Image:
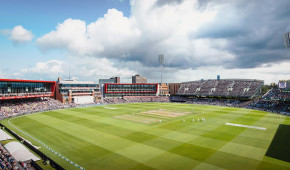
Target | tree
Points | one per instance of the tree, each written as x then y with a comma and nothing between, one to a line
273,85
265,89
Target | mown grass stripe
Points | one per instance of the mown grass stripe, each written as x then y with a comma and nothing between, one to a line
99,138
132,145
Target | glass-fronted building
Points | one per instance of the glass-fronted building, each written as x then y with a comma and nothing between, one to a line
122,89
17,89
78,92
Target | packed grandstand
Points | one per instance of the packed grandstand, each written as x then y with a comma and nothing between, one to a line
18,100
230,92
221,88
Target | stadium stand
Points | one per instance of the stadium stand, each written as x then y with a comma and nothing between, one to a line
134,99
7,161
211,101
274,106
146,98
271,106
18,107
221,88
277,94
113,100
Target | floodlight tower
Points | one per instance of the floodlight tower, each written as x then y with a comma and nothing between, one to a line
161,61
287,39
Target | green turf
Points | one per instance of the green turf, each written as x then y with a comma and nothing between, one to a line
97,138
280,146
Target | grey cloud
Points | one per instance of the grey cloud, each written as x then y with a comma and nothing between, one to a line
254,31
164,2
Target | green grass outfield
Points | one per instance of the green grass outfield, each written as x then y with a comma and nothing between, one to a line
94,138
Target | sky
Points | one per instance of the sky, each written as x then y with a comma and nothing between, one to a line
92,39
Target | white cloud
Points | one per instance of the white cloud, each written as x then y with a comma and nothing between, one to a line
150,30
20,35
96,68
114,31
267,72
49,70
198,42
90,69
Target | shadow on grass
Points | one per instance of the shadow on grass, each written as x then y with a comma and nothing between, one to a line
280,146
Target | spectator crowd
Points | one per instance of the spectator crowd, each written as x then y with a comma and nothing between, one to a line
224,88
19,107
7,161
276,94
133,99
274,106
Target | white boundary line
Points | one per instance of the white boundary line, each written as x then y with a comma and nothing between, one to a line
252,127
109,108
38,141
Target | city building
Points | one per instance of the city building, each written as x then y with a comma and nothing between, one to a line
138,79
78,92
173,88
104,81
163,89
22,89
122,89
110,80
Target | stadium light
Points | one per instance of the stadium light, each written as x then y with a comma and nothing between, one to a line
161,61
287,39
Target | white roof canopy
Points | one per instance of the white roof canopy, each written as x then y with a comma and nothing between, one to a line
4,135
20,152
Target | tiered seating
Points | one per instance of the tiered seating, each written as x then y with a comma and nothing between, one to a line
6,160
181,89
239,87
13,108
277,94
206,87
112,100
272,106
223,88
192,87
252,88
132,99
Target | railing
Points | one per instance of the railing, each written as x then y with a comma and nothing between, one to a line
24,94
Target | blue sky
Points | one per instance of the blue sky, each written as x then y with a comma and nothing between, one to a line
97,39
40,17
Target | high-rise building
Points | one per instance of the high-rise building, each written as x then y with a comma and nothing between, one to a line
138,79
104,81
173,88
110,80
117,79
164,89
